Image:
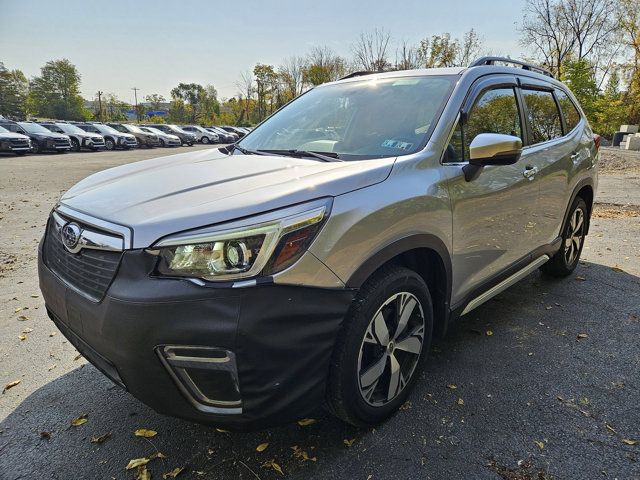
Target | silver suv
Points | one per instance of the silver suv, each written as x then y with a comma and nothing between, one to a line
312,262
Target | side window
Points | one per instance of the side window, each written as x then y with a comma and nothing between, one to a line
494,111
571,115
543,114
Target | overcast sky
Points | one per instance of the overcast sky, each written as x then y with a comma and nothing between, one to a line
154,45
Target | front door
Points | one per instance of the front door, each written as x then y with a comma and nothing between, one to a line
492,226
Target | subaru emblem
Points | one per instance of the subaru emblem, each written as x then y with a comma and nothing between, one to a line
70,236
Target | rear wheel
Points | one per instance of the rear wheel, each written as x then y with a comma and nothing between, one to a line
109,143
566,259
161,143
205,140
35,146
385,337
75,145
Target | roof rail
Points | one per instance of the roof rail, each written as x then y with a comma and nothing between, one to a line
525,66
358,74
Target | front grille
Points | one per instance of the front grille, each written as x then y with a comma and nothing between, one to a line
62,142
19,141
98,140
89,271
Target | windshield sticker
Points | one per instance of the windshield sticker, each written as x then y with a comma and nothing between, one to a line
397,144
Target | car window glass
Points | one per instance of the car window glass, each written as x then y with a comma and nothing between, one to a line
495,111
569,110
543,115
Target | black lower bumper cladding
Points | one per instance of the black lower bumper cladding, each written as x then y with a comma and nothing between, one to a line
282,338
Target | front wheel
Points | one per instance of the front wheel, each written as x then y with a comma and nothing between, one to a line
205,140
35,146
385,337
75,145
109,144
161,143
565,261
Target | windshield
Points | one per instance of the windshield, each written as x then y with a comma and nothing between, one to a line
133,128
364,119
68,128
33,127
107,129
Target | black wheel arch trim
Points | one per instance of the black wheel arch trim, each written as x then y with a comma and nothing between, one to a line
585,182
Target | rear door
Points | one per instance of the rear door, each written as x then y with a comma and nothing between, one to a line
549,155
491,213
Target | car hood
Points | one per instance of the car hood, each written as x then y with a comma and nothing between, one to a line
10,135
50,135
170,194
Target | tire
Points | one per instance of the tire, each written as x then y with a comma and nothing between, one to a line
75,145
35,146
109,144
565,261
205,140
162,145
358,391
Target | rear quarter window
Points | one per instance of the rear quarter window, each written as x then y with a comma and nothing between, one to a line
571,115
543,115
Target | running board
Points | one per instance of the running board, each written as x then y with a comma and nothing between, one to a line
502,286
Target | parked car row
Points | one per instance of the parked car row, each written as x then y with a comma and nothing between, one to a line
62,136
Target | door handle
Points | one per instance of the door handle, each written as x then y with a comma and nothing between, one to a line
529,172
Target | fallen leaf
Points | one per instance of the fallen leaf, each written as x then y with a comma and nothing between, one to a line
273,465
27,330
77,357
582,335
460,401
489,333
22,337
17,309
10,385
52,367
580,279
143,432
262,447
452,386
348,443
617,269
302,454
81,420
611,429
628,441
137,462
173,473
33,295
23,318
221,430
52,334
143,473
306,421
101,438
540,445
45,435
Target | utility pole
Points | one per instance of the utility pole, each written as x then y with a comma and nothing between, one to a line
100,105
135,93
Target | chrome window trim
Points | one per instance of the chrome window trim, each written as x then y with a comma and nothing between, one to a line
124,232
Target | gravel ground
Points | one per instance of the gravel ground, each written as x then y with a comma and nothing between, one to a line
541,382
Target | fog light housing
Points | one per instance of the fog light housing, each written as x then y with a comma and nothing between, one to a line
206,376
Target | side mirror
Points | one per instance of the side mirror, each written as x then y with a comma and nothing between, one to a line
491,149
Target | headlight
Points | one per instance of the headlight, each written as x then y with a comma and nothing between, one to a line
263,248
122,140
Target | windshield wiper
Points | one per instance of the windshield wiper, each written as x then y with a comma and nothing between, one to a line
324,156
245,150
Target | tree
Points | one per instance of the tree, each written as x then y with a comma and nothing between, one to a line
265,75
323,65
579,77
371,50
155,101
628,19
56,92
191,94
407,57
14,89
114,108
245,86
444,51
559,30
291,73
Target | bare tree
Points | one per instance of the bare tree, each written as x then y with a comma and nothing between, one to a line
246,90
407,57
559,30
292,74
470,48
324,65
371,50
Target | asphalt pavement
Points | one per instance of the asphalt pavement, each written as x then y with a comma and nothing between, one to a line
541,382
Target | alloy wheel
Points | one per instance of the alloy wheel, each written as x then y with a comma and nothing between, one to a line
575,236
391,349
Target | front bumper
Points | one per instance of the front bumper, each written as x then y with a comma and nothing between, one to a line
282,338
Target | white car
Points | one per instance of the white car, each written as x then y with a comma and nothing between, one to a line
202,135
14,142
79,138
166,139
